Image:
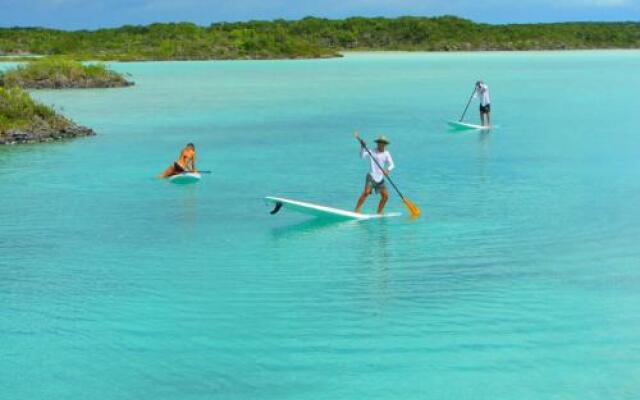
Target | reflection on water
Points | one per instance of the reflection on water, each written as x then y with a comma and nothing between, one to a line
484,147
376,254
188,210
310,226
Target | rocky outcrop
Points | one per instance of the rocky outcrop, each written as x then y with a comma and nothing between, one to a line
64,82
62,73
61,81
24,120
42,131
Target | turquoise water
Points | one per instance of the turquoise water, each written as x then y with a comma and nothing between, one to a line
521,281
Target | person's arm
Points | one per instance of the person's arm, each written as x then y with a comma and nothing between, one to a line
363,152
390,164
193,163
477,92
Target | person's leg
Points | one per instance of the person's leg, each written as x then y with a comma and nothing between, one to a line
168,172
365,193
384,196
488,118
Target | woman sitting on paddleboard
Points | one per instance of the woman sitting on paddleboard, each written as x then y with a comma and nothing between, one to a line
186,162
375,177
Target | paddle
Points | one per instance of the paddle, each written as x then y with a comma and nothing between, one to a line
468,102
413,209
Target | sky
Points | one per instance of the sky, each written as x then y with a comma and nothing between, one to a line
91,14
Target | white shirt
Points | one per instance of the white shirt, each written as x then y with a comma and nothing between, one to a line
483,91
383,158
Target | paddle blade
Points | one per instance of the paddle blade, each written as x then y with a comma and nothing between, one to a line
414,211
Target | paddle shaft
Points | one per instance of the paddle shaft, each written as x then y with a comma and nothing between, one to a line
468,102
364,146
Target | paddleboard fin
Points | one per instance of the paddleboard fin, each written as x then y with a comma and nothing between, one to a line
276,208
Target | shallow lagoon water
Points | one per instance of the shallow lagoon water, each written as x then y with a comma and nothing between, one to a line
521,280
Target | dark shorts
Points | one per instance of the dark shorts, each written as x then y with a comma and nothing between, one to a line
177,168
485,109
373,185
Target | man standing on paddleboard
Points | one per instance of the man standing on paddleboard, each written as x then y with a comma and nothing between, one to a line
186,162
482,91
376,175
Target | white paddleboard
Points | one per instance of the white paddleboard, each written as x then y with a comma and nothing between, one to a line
317,210
465,125
185,178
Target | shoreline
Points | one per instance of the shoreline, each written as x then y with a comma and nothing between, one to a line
342,54
312,38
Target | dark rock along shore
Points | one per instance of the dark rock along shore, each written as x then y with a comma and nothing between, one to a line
41,132
62,82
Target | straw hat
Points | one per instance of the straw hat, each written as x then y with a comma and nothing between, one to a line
382,139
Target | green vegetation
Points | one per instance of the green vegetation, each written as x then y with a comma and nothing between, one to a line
163,42
18,110
23,120
61,72
311,37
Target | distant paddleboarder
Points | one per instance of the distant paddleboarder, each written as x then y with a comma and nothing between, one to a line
482,91
376,175
186,162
